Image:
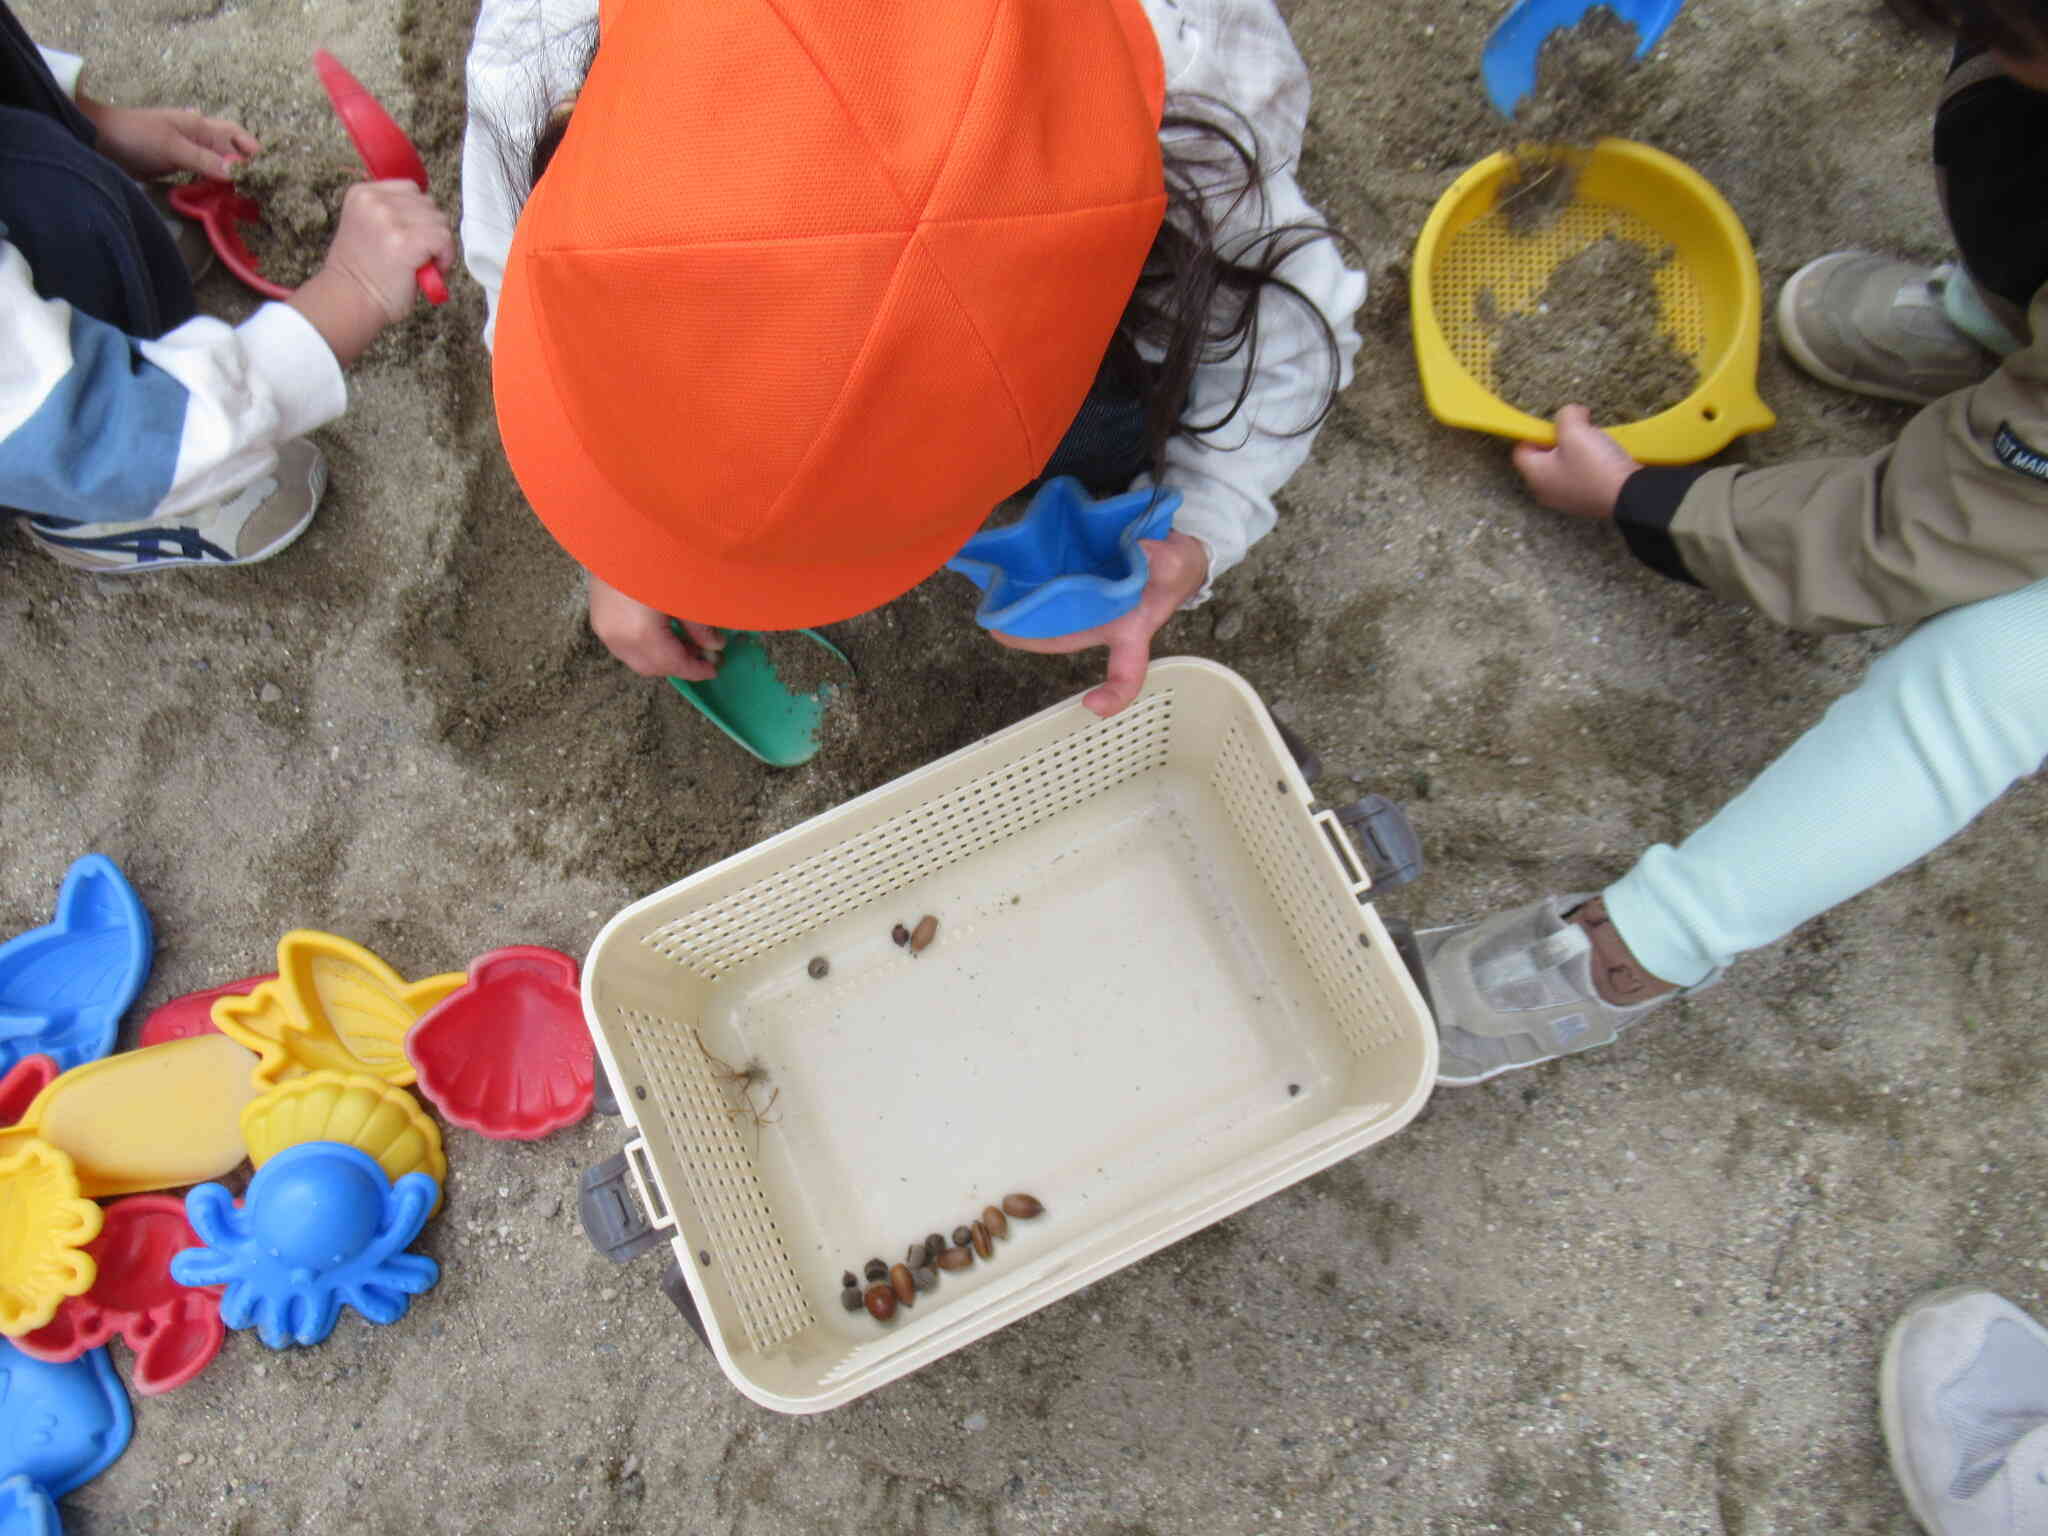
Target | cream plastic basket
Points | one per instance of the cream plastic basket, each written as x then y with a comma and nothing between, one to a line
1155,997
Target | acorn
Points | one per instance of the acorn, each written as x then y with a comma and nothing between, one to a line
956,1258
934,1245
1022,1206
997,1224
818,967
924,1279
847,1281
926,930
900,934
962,1235
983,1244
876,1270
917,1255
849,1298
902,1284
881,1302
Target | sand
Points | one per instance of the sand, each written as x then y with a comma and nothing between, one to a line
1643,1289
1594,337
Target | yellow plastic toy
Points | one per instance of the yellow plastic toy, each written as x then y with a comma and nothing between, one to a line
358,1111
156,1118
43,1225
1711,293
334,1007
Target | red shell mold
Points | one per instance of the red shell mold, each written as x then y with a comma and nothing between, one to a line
507,1054
183,1017
175,1330
22,1082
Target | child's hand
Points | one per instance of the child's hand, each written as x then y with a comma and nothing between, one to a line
640,637
1179,565
388,230
147,142
1583,474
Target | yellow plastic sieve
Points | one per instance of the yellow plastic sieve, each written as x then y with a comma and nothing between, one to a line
1711,294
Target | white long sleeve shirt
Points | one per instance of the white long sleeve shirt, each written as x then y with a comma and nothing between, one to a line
100,426
527,55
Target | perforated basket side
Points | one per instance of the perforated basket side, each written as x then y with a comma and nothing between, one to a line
1323,923
709,1119
866,868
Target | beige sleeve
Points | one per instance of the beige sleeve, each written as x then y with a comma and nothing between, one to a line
1956,510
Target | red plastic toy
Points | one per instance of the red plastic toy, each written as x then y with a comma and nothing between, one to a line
387,153
175,1330
219,208
507,1054
18,1089
183,1017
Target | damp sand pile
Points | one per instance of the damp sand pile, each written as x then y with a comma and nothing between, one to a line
1594,338
1588,86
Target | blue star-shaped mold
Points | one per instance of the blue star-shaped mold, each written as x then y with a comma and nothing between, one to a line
64,986
1070,563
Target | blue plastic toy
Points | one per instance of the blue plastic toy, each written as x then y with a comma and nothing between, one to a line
1070,563
61,1426
319,1226
1508,61
64,987
25,1510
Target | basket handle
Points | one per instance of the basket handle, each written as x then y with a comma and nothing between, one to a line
1354,869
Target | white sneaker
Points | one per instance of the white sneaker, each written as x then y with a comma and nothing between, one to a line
252,525
1964,1394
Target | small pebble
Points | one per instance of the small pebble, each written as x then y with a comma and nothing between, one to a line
269,693
818,968
876,1270
994,1220
1023,1207
926,930
956,1258
881,1302
900,934
934,1244
974,1423
850,1298
186,1458
1293,1090
924,1279
983,1245
609,1293
901,1283
962,1235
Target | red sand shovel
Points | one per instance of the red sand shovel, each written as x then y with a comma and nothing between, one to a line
387,153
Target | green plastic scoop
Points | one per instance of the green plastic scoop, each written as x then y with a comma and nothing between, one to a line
752,705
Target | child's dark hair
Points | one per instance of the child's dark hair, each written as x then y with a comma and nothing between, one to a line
2015,27
1197,298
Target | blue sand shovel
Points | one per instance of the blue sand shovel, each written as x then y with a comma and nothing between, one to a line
1508,62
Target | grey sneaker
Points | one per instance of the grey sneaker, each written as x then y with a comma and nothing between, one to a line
1964,1394
1517,988
252,525
194,249
1877,327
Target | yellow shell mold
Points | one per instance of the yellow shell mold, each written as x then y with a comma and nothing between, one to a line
350,1108
43,1225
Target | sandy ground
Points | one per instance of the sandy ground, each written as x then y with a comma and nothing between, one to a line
1639,1291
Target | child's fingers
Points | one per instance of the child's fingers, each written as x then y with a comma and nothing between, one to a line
1130,652
705,637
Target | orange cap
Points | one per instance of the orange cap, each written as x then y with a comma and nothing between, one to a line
811,285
